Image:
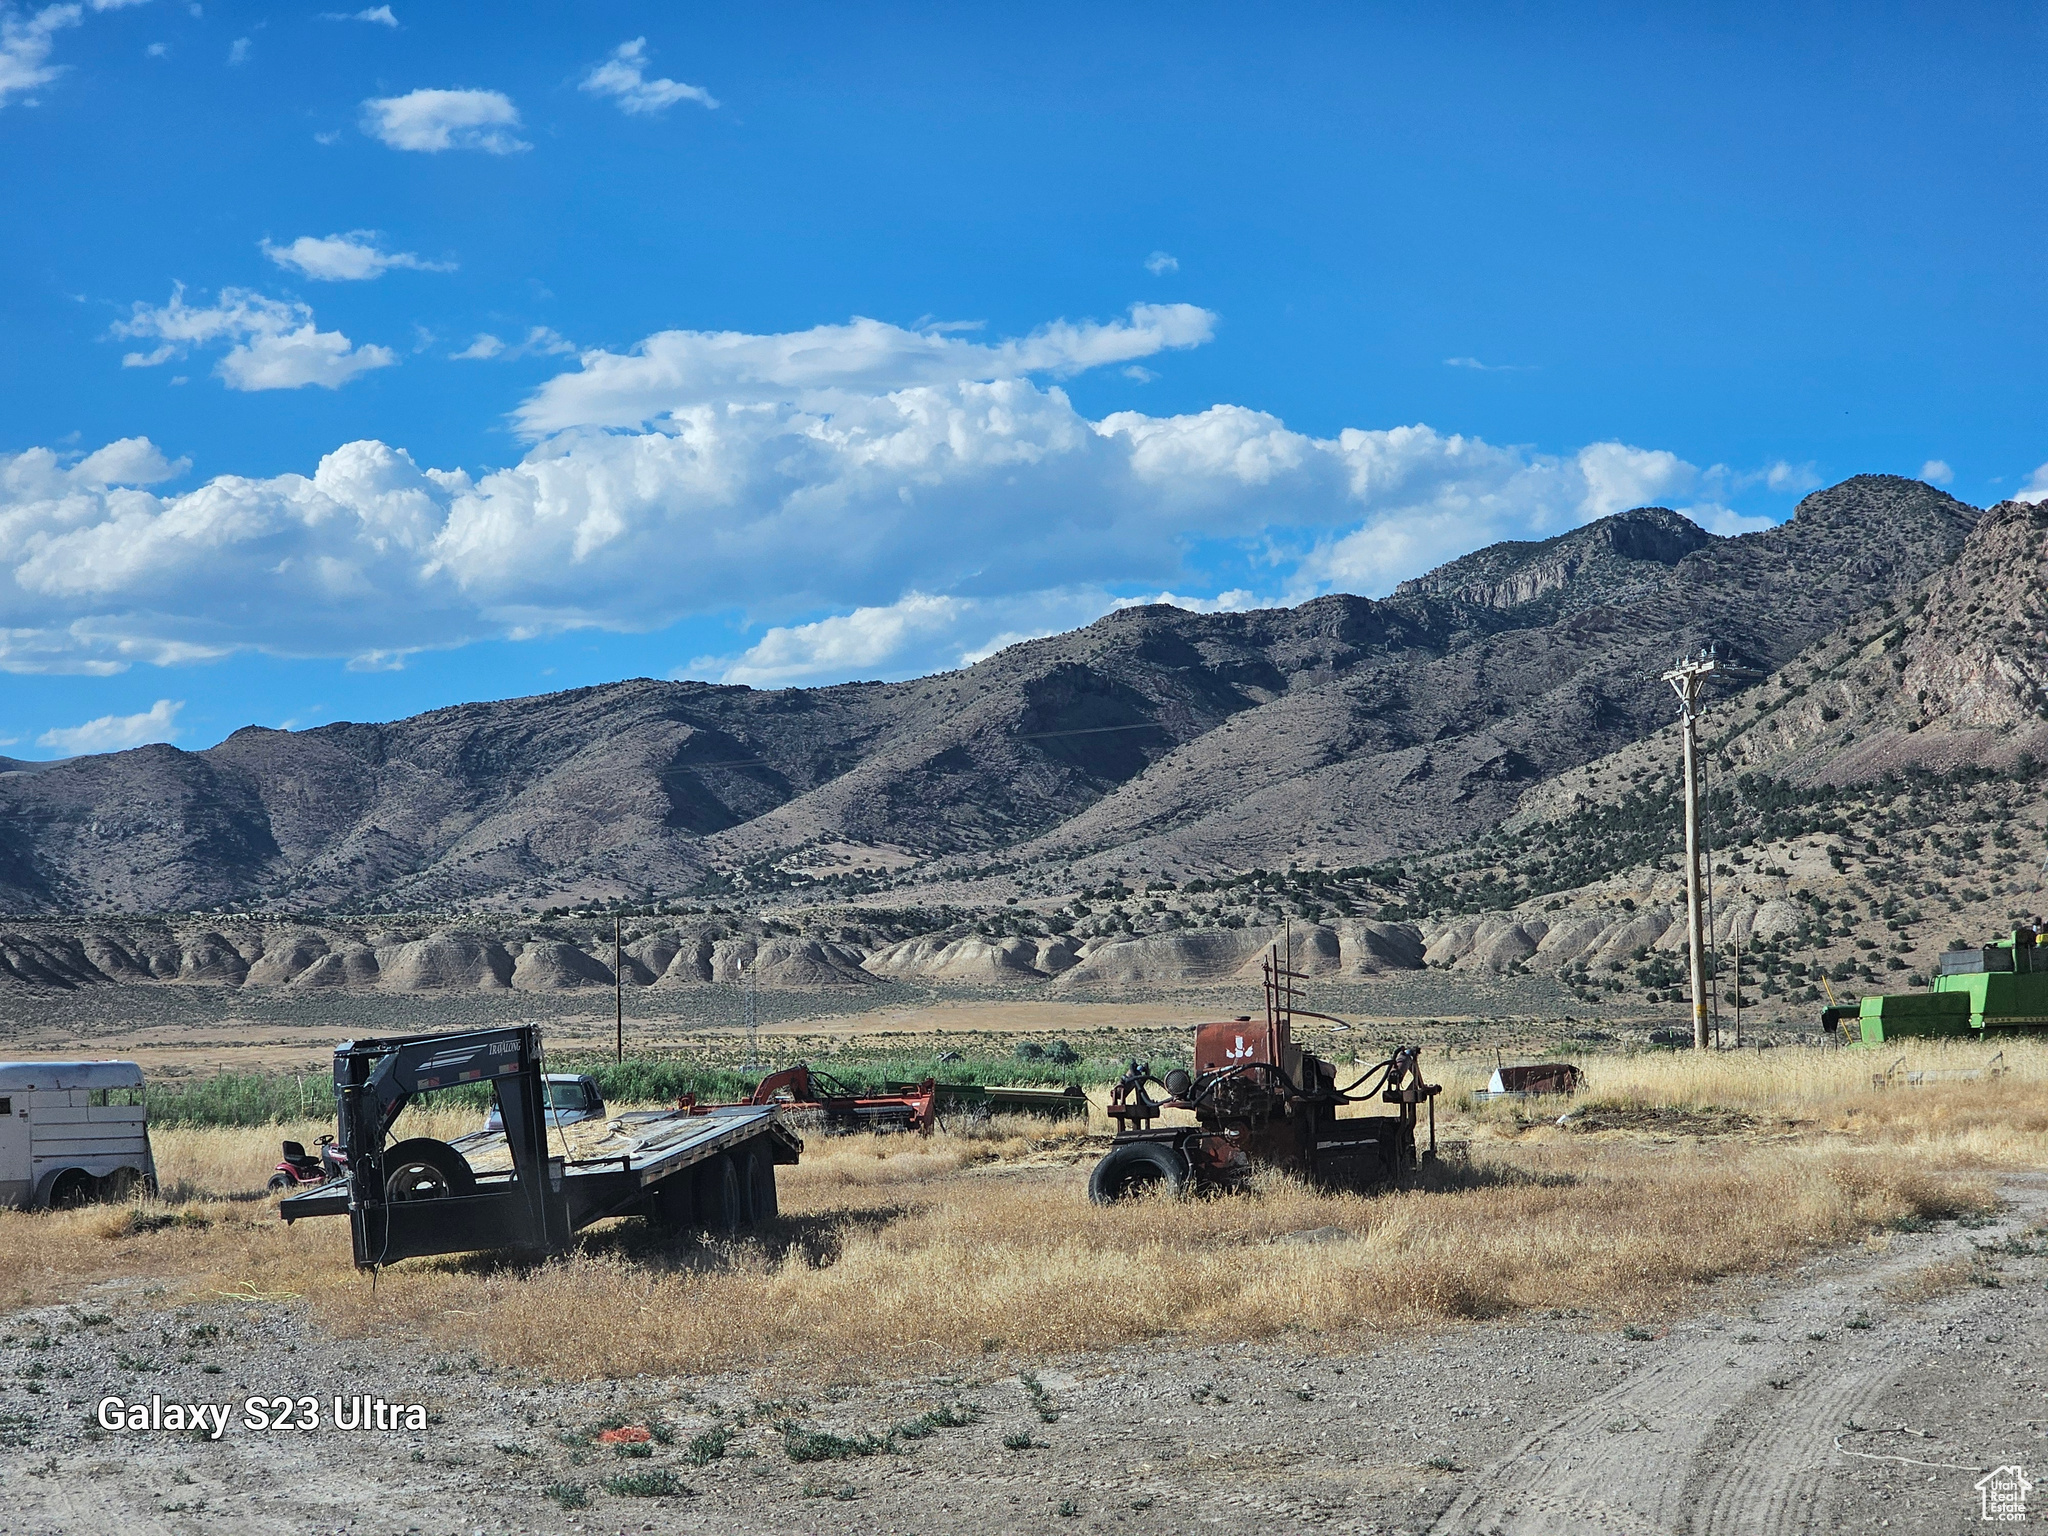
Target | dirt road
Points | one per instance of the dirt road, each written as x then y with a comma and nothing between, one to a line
1736,1421
1815,1417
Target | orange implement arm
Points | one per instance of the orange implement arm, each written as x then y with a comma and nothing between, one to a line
796,1079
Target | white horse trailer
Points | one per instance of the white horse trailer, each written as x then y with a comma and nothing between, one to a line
72,1131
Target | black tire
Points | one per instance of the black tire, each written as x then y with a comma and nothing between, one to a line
425,1169
120,1185
1137,1168
71,1189
672,1204
721,1198
281,1184
743,1170
761,1181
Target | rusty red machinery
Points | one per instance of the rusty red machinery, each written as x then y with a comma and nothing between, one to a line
1261,1101
804,1089
1537,1077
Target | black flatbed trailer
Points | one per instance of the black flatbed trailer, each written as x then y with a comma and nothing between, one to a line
529,1187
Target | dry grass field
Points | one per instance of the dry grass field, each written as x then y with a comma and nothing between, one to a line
977,1246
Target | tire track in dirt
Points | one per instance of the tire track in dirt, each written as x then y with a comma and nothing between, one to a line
1760,1468
1701,1443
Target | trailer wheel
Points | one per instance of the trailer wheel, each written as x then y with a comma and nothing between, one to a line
70,1189
721,1198
426,1169
761,1184
672,1202
1136,1168
120,1185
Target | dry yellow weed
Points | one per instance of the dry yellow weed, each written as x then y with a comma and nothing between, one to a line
978,1242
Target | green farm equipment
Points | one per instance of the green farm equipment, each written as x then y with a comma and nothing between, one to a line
1979,992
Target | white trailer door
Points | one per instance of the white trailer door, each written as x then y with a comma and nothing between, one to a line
16,1176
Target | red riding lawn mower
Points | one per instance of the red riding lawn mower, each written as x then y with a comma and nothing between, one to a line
1259,1100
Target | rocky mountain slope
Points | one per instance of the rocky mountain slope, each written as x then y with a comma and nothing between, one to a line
1345,731
1561,647
1877,798
1881,797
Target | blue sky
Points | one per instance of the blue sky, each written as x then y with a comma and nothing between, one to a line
465,351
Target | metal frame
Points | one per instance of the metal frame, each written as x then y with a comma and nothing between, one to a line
1256,1111
545,1199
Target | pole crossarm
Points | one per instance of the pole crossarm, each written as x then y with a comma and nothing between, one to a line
1687,679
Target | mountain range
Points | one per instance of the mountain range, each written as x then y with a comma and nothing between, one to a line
1343,731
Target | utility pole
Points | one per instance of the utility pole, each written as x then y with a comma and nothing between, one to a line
751,1015
1687,679
618,991
1736,935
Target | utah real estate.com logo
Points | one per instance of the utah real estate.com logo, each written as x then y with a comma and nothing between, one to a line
2003,1495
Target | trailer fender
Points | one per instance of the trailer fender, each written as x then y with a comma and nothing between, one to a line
63,1189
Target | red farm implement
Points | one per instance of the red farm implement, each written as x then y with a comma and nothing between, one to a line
1260,1100
806,1092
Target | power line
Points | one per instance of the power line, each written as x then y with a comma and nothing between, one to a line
1093,730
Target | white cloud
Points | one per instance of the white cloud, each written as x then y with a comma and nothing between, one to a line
1159,264
844,645
353,257
238,51
923,632
117,733
1443,496
25,44
297,358
431,121
1479,367
379,14
1619,477
1726,522
929,517
920,632
674,371
1787,479
541,341
128,461
27,40
622,78
2035,491
95,578
275,345
1236,600
1936,472
157,50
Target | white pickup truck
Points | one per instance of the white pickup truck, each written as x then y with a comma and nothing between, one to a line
72,1131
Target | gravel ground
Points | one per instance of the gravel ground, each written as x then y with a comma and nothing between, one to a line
1738,1419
